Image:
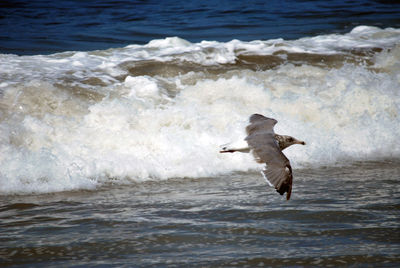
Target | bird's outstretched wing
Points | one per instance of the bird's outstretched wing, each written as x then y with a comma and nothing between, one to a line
260,123
265,149
281,178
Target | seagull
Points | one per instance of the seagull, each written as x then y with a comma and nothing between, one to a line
266,147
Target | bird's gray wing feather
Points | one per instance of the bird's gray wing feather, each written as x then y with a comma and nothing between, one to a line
281,178
265,149
259,123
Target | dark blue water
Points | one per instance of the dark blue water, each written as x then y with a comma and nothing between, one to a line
43,27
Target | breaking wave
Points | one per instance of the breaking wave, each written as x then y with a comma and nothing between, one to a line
79,120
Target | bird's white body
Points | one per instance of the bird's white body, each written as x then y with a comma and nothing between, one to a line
242,145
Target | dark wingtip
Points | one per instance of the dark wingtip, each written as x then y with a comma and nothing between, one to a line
285,189
288,195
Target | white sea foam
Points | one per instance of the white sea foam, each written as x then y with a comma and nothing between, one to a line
56,138
105,64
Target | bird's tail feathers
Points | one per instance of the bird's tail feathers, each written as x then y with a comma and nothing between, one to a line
238,146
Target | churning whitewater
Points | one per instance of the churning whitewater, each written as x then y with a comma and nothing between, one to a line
80,120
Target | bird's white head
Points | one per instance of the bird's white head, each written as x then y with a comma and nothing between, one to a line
286,141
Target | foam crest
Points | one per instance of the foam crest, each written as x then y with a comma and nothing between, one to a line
105,66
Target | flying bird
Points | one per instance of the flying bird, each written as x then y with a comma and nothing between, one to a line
266,147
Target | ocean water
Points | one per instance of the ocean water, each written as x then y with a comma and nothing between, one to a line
112,114
43,27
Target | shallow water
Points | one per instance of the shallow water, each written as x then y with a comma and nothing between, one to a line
337,217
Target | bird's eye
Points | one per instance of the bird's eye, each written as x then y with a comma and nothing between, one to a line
290,139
